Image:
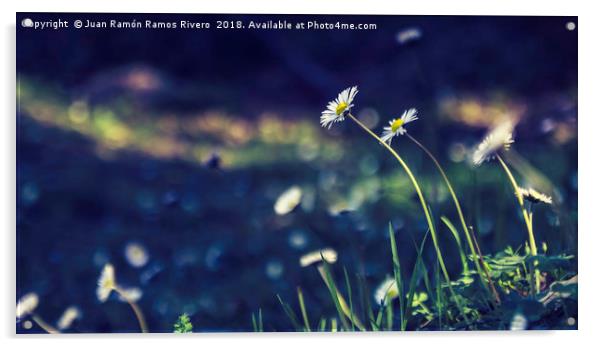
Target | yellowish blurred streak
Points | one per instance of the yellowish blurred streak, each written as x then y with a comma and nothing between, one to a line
239,141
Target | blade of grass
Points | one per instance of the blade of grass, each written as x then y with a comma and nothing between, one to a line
322,325
440,298
379,318
456,236
389,311
350,295
496,295
302,307
365,299
290,314
257,322
260,321
443,270
413,283
341,300
397,274
324,270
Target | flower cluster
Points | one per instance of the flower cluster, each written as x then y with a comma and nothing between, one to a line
337,109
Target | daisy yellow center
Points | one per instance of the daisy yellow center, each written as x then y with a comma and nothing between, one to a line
398,123
341,108
108,284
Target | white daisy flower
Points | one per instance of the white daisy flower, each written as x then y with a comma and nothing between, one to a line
396,125
409,35
329,254
336,109
27,304
136,254
106,283
69,316
386,291
499,138
519,322
130,294
288,200
534,196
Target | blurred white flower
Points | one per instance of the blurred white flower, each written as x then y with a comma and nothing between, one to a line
329,254
288,200
500,137
408,35
534,196
130,294
396,125
69,316
27,325
336,109
386,291
27,304
106,283
274,269
519,322
136,254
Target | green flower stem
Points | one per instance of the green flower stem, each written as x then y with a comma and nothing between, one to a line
135,308
482,270
528,218
425,209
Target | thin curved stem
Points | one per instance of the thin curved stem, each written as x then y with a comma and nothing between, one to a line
45,326
425,209
482,270
135,308
526,216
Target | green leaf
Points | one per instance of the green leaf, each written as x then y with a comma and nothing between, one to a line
183,325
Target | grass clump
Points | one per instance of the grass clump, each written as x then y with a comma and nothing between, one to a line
512,289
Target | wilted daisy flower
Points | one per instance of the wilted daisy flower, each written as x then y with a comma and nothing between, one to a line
329,254
534,196
27,304
396,125
288,200
499,138
336,109
69,316
386,291
130,294
106,283
136,254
